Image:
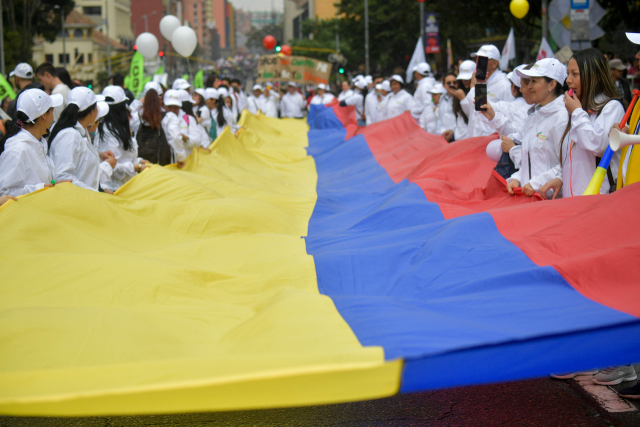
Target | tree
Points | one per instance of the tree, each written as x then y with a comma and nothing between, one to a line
256,35
24,19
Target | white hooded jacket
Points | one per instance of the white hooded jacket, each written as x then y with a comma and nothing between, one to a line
292,105
422,96
541,135
24,165
398,103
171,127
124,170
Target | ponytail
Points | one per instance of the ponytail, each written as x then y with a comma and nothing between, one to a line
13,127
68,119
220,104
187,107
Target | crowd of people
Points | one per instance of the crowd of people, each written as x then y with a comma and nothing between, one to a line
553,120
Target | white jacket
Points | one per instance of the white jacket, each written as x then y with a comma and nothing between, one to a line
541,135
381,108
124,169
422,97
446,116
172,129
253,105
229,117
322,100
509,120
24,165
192,130
398,103
242,100
77,159
370,107
462,128
357,100
429,118
498,89
588,139
292,105
269,105
344,95
205,115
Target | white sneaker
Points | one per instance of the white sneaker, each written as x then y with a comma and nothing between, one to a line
574,374
614,376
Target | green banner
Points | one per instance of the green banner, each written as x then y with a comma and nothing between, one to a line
198,80
160,70
6,89
136,74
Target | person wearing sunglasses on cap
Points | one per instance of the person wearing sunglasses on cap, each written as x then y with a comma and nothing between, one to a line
114,135
543,129
24,164
73,153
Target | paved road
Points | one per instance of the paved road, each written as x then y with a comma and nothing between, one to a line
543,402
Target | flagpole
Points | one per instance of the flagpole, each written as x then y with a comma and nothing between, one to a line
366,36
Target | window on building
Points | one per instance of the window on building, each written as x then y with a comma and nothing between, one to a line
92,10
90,57
77,33
63,59
48,58
80,59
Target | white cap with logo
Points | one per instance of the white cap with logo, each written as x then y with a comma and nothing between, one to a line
83,97
488,50
114,95
467,68
172,97
35,102
547,67
23,70
423,68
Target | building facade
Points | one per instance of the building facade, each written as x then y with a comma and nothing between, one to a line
115,13
298,11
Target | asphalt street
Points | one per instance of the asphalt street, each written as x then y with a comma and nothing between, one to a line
542,402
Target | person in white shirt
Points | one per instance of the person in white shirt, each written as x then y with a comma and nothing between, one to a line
73,154
223,114
253,102
459,94
46,73
172,127
322,97
424,82
241,97
593,108
543,130
384,93
114,135
292,103
446,116
400,100
371,101
24,164
498,89
210,99
346,91
200,110
189,125
507,118
268,101
430,116
357,100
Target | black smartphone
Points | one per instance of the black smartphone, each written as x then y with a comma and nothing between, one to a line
481,95
481,68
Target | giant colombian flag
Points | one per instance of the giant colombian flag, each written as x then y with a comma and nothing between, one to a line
292,267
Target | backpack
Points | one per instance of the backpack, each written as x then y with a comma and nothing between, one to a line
153,145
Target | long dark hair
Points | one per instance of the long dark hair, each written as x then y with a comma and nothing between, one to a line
595,79
68,119
117,122
12,128
64,77
457,109
152,109
220,104
187,107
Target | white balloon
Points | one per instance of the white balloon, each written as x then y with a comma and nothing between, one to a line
184,41
147,44
168,25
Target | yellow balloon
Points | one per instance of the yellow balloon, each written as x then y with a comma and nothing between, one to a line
519,8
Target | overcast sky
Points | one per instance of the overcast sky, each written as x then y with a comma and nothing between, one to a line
259,5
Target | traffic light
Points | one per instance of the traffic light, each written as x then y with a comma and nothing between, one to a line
278,48
135,47
341,70
161,54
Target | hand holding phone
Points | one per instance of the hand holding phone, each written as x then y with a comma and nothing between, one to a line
481,95
481,68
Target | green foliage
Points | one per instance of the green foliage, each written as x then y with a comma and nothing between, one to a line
255,37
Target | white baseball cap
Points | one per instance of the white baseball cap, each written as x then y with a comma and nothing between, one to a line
423,68
293,84
488,50
103,109
379,86
547,67
153,85
322,86
222,92
185,96
36,102
172,97
515,77
397,78
179,84
633,38
200,92
257,87
368,80
356,78
23,70
210,93
83,97
114,95
467,68
268,84
361,83
386,86
438,88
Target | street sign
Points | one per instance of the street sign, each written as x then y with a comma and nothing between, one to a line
432,33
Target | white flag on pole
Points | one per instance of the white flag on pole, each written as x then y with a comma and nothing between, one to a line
545,50
417,58
508,51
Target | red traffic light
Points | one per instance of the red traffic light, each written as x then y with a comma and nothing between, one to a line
135,47
161,54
